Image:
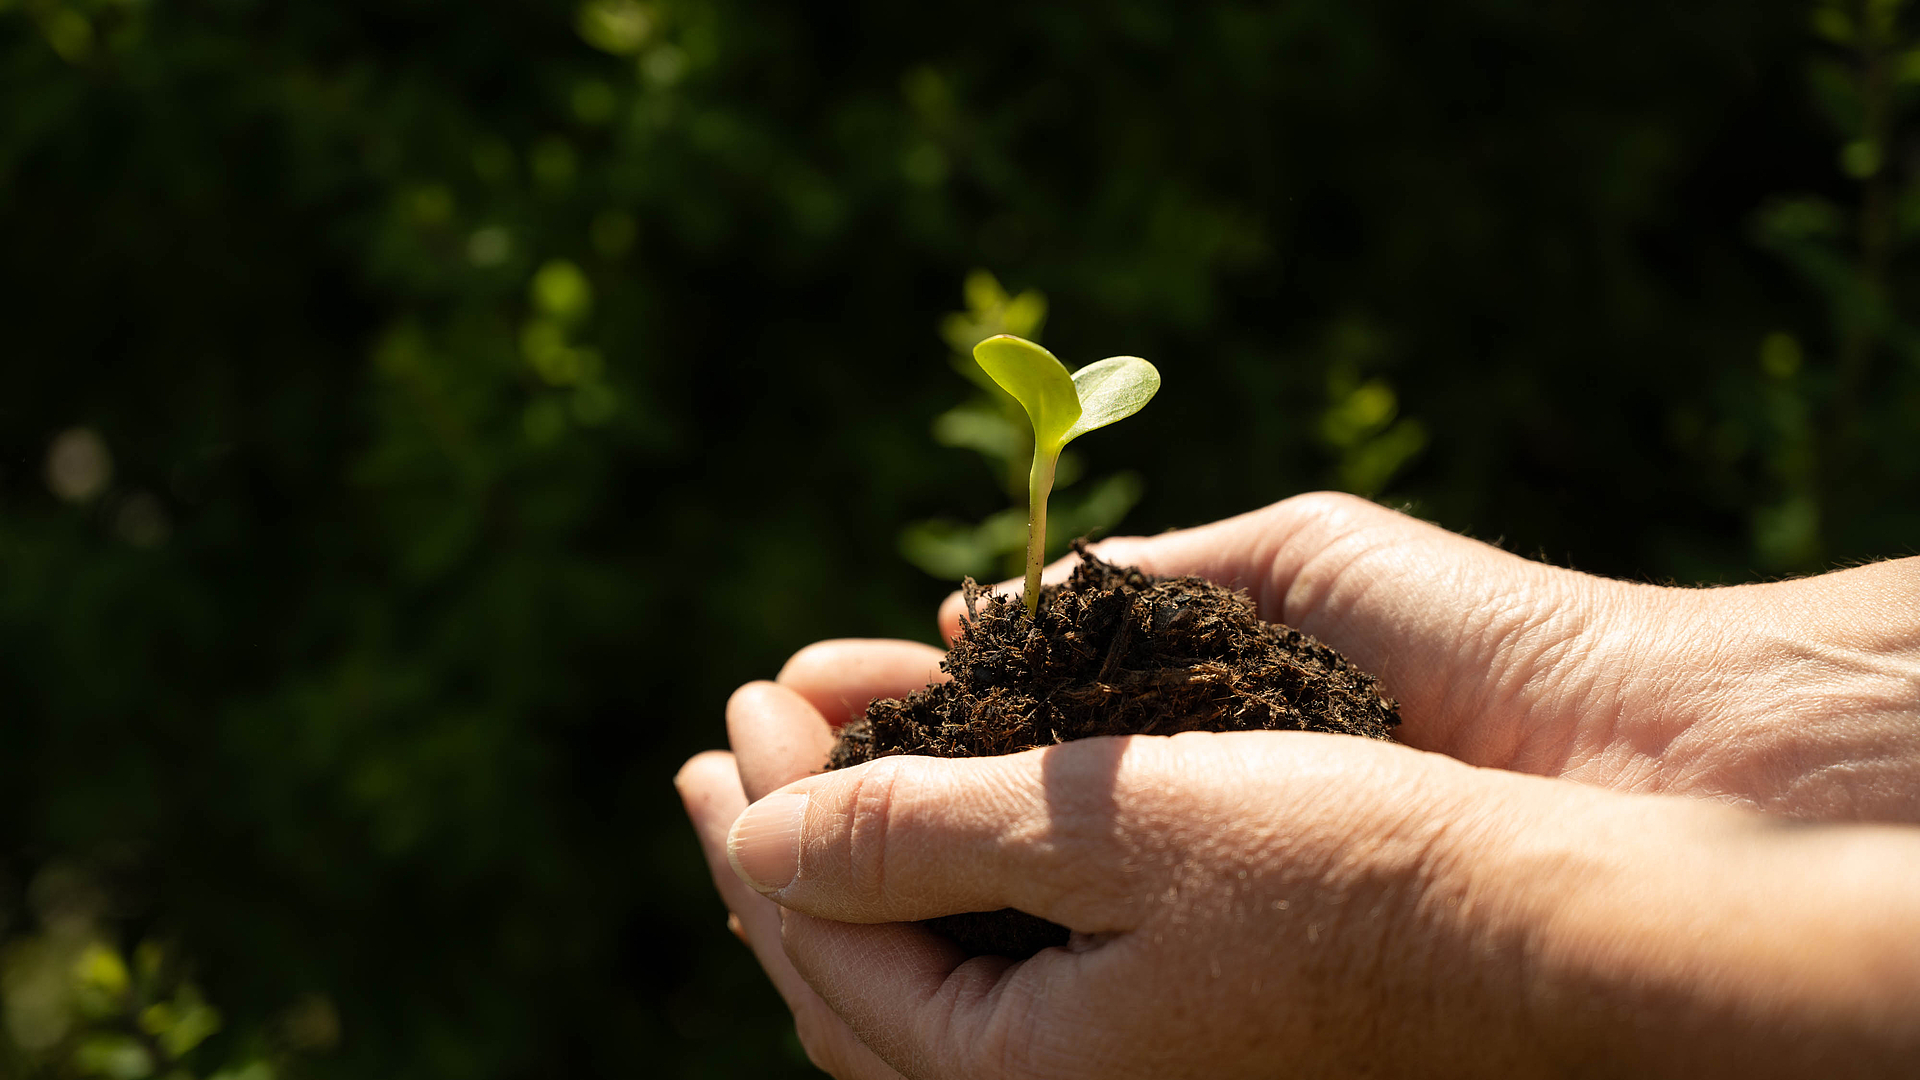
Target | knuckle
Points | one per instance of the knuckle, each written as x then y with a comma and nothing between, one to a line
746,695
1089,846
1318,504
810,657
1023,1039
875,812
1015,1052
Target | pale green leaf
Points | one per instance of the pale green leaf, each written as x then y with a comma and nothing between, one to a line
1038,381
985,430
1112,389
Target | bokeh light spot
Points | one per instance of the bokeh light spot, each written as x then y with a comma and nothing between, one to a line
69,32
616,26
78,465
489,246
561,290
663,66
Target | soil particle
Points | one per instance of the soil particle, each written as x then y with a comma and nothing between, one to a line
1113,651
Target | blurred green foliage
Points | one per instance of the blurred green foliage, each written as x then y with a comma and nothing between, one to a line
75,1006
419,416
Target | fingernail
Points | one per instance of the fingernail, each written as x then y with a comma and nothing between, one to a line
764,845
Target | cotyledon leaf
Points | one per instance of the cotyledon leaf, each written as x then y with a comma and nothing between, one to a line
1111,389
1038,381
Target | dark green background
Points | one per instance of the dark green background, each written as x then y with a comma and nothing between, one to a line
387,707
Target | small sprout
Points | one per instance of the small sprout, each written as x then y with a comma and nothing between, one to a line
1062,408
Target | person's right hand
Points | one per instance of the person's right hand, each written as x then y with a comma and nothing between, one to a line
1800,698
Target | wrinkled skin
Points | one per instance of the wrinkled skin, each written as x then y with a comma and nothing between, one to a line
1501,895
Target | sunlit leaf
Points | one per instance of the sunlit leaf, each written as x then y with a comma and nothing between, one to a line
1038,381
1112,389
560,289
1860,158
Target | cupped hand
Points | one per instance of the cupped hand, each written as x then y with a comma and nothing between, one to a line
1230,907
1214,882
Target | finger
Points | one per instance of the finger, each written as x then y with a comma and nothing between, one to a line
921,1004
710,787
839,678
776,736
907,838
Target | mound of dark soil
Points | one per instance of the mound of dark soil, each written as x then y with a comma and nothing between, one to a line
1113,651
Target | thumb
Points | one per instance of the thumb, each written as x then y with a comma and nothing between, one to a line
1416,605
908,838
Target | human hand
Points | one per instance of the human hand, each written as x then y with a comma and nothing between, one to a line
1474,642
1799,698
1249,904
1176,969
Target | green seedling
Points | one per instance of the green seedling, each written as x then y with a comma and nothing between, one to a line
1062,408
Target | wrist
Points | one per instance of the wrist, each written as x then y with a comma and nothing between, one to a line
1442,926
1485,905
1811,689
1667,937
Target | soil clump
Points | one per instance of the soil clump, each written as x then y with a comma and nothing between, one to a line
1112,651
